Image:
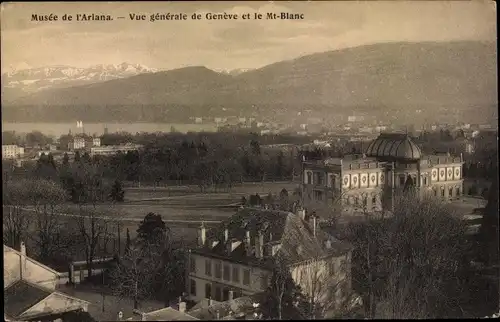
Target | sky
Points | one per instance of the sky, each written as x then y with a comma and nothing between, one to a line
224,44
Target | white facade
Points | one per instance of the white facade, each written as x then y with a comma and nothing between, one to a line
211,277
12,152
113,149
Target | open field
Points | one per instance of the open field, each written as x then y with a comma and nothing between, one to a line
236,192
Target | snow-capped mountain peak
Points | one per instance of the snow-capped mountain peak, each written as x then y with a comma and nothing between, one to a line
35,79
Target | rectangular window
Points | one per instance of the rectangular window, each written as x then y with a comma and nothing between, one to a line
208,290
442,193
318,195
218,294
208,267
402,180
226,273
192,265
236,274
225,294
320,179
218,270
458,192
263,281
246,277
193,287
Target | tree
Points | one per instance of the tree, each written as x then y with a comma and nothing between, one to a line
47,197
284,200
127,242
283,299
408,266
489,231
117,192
15,217
65,160
152,231
133,276
94,228
77,156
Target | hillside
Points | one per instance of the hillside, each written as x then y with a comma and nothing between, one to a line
375,78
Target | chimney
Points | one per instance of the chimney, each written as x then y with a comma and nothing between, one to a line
182,307
231,295
314,225
259,245
142,314
328,244
226,235
23,259
210,301
120,316
202,235
301,213
218,315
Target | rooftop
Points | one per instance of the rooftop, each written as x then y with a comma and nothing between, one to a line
394,146
22,295
292,237
166,314
228,309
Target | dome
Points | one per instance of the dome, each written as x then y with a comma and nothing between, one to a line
394,146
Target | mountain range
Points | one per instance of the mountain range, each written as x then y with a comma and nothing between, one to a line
25,81
377,78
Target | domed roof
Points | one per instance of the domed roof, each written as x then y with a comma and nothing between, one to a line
394,146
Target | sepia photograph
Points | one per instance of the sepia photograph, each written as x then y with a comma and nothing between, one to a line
249,160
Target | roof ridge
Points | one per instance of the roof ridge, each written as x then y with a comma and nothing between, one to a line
32,260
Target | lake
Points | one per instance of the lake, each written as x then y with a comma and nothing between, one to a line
58,129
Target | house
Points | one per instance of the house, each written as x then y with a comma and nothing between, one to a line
76,143
30,290
11,151
237,259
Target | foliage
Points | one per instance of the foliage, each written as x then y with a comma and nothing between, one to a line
489,231
407,266
133,275
117,192
152,231
283,299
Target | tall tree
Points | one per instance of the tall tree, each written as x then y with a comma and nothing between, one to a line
117,192
489,230
152,231
283,299
15,217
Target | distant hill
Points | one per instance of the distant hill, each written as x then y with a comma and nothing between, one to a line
375,78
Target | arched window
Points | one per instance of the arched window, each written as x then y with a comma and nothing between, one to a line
309,178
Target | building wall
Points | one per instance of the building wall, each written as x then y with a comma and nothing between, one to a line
12,151
324,280
201,279
33,272
342,189
363,188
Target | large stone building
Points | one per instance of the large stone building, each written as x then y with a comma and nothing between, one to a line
237,259
392,163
